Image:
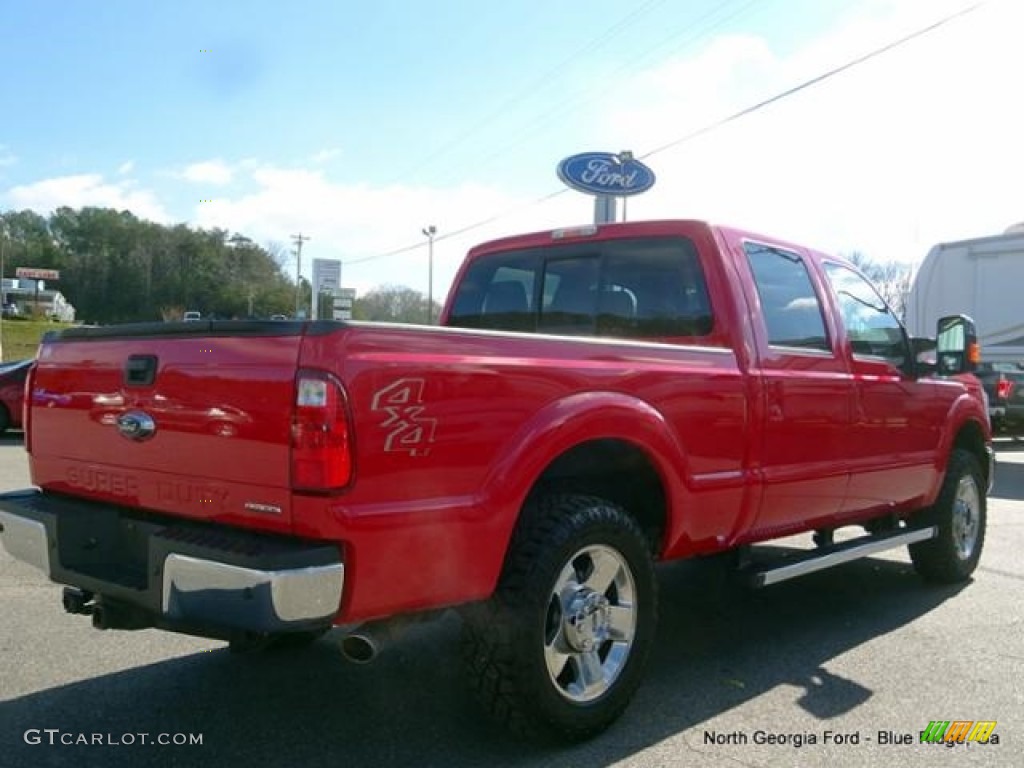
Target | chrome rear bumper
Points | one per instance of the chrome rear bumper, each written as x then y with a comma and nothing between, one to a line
195,587
196,578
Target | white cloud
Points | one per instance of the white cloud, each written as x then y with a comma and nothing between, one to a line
353,221
87,190
125,168
209,172
325,155
913,147
916,146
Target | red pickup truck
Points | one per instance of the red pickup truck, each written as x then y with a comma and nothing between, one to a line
596,399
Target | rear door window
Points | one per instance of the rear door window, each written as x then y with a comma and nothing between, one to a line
792,310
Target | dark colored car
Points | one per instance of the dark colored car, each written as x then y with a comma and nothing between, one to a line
12,393
1004,385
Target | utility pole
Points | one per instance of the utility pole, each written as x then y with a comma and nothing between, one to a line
298,239
430,232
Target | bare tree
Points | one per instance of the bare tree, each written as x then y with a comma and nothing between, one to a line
892,279
279,253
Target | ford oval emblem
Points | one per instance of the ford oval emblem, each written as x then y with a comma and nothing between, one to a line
136,425
606,173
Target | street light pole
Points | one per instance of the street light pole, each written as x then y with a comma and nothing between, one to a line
299,240
430,231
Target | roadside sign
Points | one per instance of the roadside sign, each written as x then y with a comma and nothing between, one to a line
605,173
31,273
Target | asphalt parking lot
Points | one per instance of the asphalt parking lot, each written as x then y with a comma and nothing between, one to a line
836,664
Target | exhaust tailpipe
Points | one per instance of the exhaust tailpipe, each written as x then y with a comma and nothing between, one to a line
360,647
109,615
362,644
77,601
100,617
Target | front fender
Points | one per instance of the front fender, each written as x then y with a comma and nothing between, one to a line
967,425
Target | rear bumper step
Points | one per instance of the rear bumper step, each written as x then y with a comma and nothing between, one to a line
836,554
196,578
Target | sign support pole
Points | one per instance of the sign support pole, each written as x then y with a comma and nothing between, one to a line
604,209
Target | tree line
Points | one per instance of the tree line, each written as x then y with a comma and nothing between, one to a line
115,267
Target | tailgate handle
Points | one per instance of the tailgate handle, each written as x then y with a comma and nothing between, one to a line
140,371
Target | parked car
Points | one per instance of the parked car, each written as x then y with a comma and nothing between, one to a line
1004,386
192,317
12,393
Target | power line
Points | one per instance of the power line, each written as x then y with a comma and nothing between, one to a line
460,231
707,128
815,80
544,120
533,86
395,252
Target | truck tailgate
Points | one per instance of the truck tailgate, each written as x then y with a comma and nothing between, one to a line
193,420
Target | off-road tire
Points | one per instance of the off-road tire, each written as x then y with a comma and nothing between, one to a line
960,514
510,642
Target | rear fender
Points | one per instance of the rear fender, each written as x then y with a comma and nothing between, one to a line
572,421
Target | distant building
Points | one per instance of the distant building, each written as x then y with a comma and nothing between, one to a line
51,303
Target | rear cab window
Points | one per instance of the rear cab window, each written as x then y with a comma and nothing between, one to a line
642,288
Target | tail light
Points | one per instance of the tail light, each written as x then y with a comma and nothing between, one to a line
321,439
1004,389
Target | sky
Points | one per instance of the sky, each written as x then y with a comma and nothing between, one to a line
359,124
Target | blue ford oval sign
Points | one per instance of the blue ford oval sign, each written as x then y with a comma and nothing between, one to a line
606,173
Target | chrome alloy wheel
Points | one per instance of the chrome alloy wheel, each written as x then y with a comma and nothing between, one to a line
590,623
966,517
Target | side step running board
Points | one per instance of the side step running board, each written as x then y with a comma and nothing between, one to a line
836,554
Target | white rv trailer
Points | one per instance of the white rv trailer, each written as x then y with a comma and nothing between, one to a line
982,278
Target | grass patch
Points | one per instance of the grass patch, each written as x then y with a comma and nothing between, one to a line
21,337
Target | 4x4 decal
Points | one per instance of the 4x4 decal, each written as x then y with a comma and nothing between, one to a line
409,431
